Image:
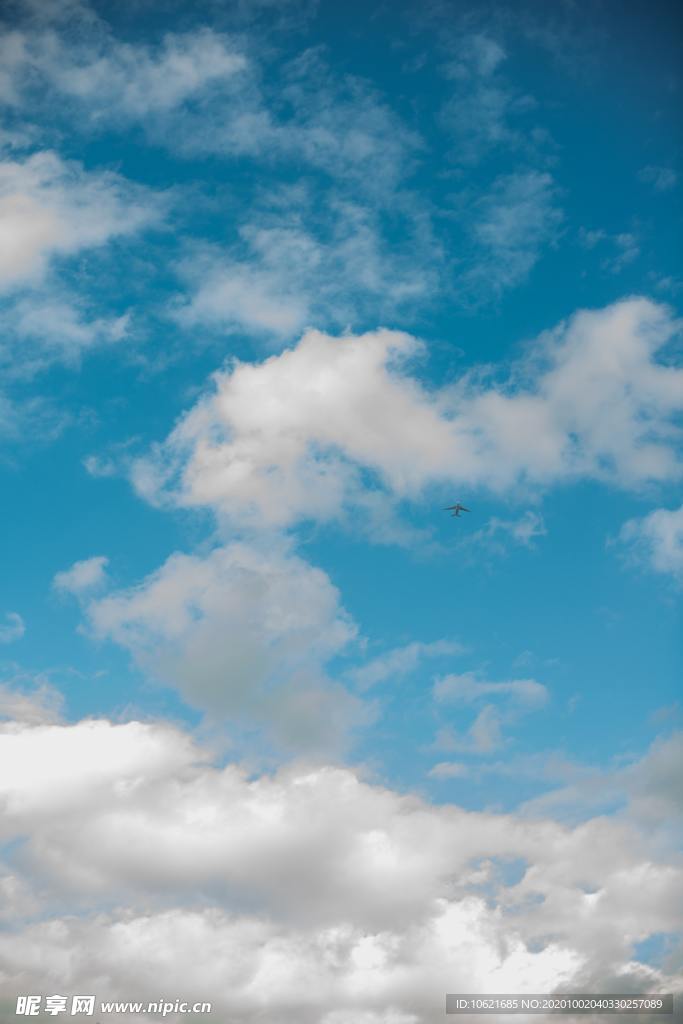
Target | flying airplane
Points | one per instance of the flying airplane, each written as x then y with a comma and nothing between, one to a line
456,509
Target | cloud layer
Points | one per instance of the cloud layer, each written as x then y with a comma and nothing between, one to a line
381,902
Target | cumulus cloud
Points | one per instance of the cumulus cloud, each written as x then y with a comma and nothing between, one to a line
243,633
657,540
12,629
306,434
50,208
314,894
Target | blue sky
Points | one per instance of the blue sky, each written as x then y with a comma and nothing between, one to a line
280,281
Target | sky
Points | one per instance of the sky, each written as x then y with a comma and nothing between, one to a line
279,282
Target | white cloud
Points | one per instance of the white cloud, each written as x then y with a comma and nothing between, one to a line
243,633
196,94
645,789
480,116
523,530
485,734
449,770
627,250
624,245
661,178
41,329
240,295
287,271
400,662
590,238
510,226
13,628
82,576
657,540
294,437
39,705
315,896
41,766
114,80
467,688
135,81
50,208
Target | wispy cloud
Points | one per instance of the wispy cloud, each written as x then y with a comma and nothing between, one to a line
661,178
510,226
12,629
467,689
482,115
503,705
288,271
199,93
400,662
112,80
497,534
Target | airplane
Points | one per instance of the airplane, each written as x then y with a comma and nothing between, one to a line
456,509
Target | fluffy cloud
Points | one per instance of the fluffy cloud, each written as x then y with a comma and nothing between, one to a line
243,633
657,539
305,434
313,894
50,208
82,576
